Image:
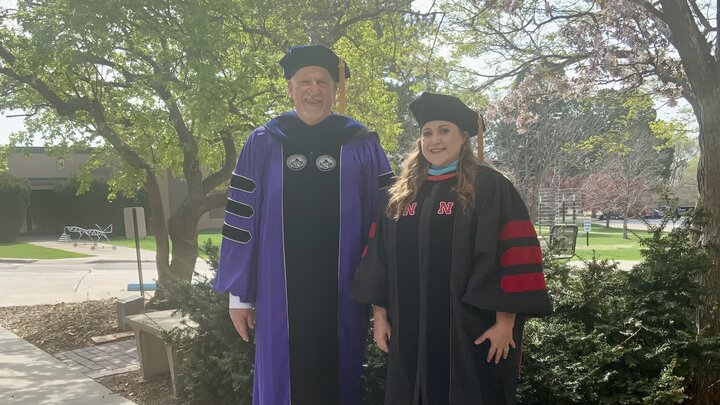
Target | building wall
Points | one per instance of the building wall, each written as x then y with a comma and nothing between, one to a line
213,219
174,192
44,172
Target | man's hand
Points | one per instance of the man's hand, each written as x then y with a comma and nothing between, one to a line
381,328
243,319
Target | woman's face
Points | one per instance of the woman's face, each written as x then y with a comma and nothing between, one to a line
441,141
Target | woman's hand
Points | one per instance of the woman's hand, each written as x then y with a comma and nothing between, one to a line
381,328
500,336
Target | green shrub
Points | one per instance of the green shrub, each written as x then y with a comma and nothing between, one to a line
622,337
217,366
14,199
373,378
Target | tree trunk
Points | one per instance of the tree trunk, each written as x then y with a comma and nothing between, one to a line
709,187
182,230
182,227
158,227
706,389
183,233
701,68
625,229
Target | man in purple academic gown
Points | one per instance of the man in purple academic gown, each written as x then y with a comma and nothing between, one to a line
303,195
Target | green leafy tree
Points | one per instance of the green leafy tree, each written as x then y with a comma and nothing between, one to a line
173,88
622,337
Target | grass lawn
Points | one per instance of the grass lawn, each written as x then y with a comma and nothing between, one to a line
607,243
30,251
148,242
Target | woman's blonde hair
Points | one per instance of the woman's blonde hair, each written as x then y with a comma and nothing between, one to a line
414,175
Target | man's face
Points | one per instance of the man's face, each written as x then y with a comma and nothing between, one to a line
312,90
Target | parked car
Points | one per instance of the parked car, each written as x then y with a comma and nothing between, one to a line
610,215
676,212
680,211
651,213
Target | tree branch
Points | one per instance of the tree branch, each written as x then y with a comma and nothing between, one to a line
692,46
650,9
703,20
67,108
340,28
6,55
212,181
211,201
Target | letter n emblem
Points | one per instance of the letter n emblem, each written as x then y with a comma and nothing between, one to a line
445,208
410,209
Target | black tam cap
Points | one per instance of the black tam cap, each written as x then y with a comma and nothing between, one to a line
299,57
433,107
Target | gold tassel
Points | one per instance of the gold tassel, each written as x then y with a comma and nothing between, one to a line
341,88
480,139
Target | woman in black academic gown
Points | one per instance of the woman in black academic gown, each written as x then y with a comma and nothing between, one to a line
452,269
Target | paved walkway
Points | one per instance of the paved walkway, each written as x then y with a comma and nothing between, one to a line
638,224
105,274
29,376
622,264
103,360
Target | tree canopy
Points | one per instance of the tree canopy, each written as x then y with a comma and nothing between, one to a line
172,87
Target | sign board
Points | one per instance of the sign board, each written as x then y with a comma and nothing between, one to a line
564,238
129,228
587,224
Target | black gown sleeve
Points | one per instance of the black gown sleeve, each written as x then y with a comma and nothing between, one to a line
370,282
507,274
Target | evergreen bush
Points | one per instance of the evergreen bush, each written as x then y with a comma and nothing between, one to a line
217,366
622,337
14,199
374,372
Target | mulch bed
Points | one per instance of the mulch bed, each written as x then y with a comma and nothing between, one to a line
61,327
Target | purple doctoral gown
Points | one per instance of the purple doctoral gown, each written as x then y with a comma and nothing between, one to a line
300,204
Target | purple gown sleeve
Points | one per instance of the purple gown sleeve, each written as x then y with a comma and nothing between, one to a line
237,268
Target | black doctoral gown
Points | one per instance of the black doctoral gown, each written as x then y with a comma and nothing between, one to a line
442,274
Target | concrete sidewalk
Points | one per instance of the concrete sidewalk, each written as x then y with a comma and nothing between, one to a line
29,376
103,275
626,265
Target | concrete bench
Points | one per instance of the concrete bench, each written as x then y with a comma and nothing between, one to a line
156,355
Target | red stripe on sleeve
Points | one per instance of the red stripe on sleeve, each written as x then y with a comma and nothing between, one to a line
517,229
365,251
516,256
523,282
372,230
